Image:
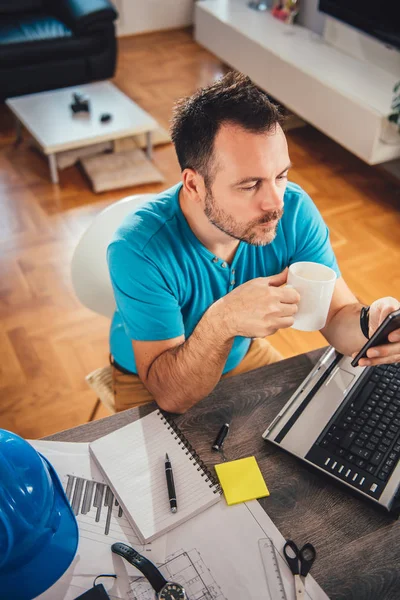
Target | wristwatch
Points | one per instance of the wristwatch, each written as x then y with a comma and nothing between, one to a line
364,321
164,590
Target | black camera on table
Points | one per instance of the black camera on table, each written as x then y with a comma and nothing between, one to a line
80,104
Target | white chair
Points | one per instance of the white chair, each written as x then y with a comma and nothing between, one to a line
91,280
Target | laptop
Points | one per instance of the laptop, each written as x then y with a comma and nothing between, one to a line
345,422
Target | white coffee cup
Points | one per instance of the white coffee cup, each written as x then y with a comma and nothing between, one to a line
315,284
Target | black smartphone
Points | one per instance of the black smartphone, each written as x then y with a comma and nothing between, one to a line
380,336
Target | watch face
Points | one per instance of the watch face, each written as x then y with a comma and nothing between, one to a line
172,591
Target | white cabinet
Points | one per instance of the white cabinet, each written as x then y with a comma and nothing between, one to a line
345,97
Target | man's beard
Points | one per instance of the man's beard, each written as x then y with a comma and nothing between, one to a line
245,232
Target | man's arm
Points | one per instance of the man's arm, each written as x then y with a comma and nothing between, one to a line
179,373
342,329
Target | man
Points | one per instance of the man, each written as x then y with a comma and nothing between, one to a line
199,273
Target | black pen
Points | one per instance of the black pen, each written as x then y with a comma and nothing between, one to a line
223,432
170,483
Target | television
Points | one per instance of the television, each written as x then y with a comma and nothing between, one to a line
379,18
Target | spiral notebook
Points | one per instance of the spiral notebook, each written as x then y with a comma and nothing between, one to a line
132,459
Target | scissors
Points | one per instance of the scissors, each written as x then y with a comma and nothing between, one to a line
300,563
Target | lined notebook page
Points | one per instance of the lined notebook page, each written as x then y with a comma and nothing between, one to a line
133,460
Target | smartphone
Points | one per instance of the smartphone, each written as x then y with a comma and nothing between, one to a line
380,336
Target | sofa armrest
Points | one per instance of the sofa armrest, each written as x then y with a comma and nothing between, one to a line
83,16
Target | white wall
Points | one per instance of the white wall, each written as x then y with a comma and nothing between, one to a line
138,16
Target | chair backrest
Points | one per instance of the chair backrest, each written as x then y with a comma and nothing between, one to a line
89,269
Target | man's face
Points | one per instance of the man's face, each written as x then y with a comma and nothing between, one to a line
246,196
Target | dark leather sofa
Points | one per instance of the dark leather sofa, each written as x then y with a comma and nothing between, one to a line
49,44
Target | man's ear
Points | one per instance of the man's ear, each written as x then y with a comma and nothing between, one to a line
193,183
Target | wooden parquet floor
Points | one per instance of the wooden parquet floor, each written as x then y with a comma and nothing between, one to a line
48,341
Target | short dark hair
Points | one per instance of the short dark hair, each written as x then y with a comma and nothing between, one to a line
196,119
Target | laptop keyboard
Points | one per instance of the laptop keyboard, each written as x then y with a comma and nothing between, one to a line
361,445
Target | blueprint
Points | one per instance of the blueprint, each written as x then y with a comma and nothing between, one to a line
101,521
215,555
187,568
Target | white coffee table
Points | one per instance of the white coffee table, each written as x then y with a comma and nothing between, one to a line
51,122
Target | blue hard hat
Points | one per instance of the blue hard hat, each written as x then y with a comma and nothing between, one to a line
38,529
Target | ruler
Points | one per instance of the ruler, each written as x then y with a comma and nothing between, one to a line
272,571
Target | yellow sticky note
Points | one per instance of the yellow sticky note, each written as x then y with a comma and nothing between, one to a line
241,480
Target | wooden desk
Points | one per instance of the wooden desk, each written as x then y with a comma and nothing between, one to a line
358,550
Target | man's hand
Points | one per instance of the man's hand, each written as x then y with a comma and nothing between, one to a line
259,307
387,353
180,372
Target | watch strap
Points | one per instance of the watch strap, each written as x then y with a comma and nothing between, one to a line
364,321
145,566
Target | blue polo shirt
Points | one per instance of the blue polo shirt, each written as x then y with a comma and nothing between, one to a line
164,279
